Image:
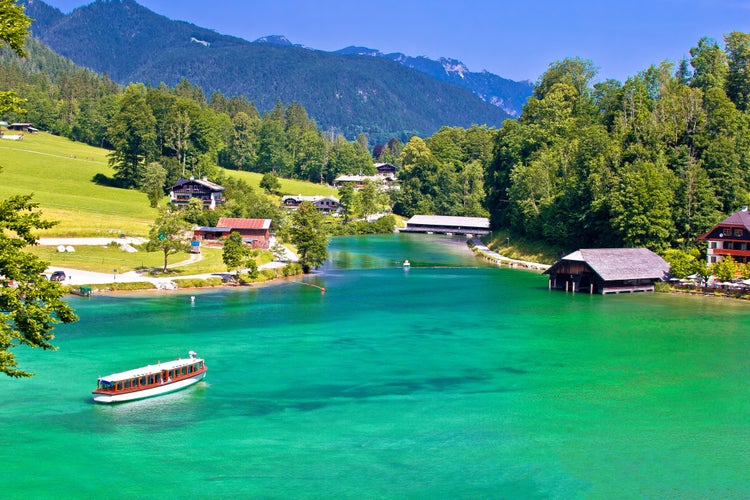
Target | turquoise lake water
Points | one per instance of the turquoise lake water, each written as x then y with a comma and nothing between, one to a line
449,380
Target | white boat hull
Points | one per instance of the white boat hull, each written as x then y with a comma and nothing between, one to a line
150,392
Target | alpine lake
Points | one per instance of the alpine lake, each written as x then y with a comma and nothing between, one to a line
451,379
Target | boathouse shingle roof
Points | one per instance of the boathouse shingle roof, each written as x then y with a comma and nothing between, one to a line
613,264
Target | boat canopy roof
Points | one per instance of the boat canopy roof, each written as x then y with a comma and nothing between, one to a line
150,369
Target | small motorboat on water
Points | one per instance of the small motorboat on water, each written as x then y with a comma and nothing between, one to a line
151,380
407,264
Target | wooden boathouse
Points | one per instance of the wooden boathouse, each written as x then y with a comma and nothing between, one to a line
608,270
447,224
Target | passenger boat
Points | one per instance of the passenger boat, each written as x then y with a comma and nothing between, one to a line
151,380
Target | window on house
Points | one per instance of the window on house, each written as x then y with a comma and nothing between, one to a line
713,244
713,259
738,232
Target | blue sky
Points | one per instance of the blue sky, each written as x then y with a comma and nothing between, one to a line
511,38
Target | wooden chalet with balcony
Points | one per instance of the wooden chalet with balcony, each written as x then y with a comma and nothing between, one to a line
211,194
608,270
386,170
730,237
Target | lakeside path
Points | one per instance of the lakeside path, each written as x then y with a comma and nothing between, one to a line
483,251
77,277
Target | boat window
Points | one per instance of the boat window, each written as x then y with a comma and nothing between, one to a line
135,382
190,369
150,379
143,380
119,386
171,373
184,371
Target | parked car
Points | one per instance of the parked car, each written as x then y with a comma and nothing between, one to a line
58,276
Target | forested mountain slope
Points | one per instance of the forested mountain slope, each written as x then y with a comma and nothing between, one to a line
349,94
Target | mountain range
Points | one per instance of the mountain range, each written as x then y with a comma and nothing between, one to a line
508,95
351,91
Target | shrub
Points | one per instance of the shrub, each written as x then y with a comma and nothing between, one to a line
198,282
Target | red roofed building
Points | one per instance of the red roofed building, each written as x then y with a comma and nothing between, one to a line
255,232
729,237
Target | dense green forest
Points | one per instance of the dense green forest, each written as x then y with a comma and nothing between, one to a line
654,161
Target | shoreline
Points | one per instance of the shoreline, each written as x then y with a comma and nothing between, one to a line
483,251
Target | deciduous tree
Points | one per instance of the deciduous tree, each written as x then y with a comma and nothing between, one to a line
14,27
234,254
132,132
30,305
368,199
270,183
169,235
152,183
308,235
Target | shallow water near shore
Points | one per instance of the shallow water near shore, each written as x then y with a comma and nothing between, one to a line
451,379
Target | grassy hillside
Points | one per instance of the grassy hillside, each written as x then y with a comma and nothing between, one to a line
288,186
59,173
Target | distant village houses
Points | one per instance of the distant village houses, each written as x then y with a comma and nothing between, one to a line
324,204
211,194
23,127
5,127
384,179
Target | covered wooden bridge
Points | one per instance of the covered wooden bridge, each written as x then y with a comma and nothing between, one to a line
447,224
608,270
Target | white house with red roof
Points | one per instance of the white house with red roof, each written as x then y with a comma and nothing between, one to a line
729,237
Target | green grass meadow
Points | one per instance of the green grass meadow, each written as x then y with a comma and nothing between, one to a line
59,173
105,259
